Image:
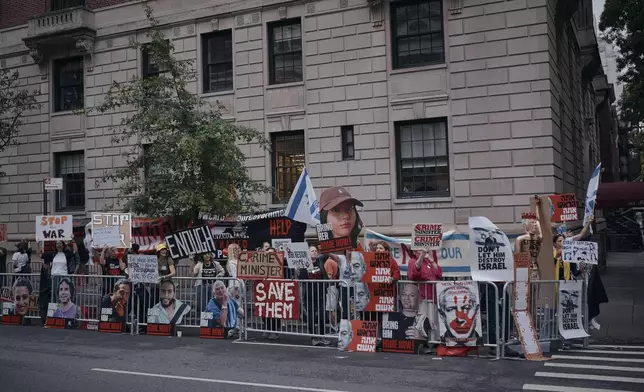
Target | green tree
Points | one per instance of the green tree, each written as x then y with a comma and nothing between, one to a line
14,102
623,25
189,154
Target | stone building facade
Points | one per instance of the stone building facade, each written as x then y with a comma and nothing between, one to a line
426,110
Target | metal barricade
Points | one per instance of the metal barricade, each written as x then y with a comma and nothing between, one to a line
19,294
543,309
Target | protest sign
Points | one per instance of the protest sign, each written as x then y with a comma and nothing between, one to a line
206,329
329,243
459,313
195,240
110,322
491,252
3,232
279,243
521,281
54,227
297,255
569,310
563,208
358,336
370,272
580,252
260,265
8,316
277,299
143,268
426,236
404,331
527,335
112,229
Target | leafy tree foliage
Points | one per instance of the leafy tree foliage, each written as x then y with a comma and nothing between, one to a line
186,153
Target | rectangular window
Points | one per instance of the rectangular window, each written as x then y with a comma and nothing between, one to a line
346,135
422,158
56,5
217,61
68,84
287,158
285,51
71,168
417,33
150,67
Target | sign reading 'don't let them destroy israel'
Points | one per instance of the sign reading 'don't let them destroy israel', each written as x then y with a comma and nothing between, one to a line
195,240
569,310
277,299
54,227
426,236
563,208
260,265
112,229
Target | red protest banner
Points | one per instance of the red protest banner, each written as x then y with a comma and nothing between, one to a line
358,336
371,271
563,208
277,299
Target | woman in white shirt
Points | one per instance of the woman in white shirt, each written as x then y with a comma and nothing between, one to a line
63,262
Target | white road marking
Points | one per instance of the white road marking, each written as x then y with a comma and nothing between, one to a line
605,352
590,377
229,382
593,367
557,388
615,346
603,359
285,345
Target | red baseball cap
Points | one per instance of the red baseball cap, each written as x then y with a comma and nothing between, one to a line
333,196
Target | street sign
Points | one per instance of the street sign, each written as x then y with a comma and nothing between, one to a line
53,184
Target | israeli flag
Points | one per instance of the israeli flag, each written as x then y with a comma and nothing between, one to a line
591,194
304,205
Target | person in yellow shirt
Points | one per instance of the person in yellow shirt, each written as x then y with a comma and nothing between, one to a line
563,270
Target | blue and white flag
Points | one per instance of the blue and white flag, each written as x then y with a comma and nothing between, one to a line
304,205
591,194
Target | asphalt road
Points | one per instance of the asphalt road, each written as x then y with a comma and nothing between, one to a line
33,359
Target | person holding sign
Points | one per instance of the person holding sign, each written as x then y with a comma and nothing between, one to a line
165,263
63,261
564,270
423,268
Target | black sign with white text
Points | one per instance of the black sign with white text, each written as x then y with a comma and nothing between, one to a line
195,240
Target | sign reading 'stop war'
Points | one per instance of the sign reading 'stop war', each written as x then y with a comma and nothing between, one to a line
563,208
54,227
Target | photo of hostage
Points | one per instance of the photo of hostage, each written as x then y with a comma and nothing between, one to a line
459,313
346,334
223,308
67,309
117,301
411,323
338,208
169,310
21,291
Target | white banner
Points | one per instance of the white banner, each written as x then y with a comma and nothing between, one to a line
279,243
591,194
569,310
491,252
143,268
580,252
459,311
54,227
297,255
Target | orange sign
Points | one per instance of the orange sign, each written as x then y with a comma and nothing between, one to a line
358,336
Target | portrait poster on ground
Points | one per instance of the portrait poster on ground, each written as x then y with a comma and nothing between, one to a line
276,299
260,265
527,336
358,336
193,241
370,273
207,329
491,252
569,310
297,255
580,252
54,228
459,312
328,242
563,208
55,319
9,315
426,236
112,229
404,331
168,311
279,243
143,268
521,281
64,312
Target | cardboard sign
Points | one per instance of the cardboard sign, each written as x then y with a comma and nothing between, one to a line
491,252
328,244
277,299
143,268
297,255
459,311
521,281
563,208
358,336
54,227
3,232
527,336
195,240
402,333
279,243
370,272
580,252
426,236
569,310
112,229
260,265
206,332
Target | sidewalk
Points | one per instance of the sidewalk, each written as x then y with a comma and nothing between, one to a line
622,318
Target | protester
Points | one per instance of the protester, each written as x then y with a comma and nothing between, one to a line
22,258
331,270
224,310
566,270
208,269
117,301
423,268
312,299
112,266
21,296
165,264
383,246
169,310
89,245
266,246
273,324
66,293
44,295
63,262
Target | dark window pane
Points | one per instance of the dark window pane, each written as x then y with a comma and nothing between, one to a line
217,61
71,168
285,52
287,162
68,84
417,27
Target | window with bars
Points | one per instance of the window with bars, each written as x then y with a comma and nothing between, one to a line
287,159
71,168
346,135
417,33
422,158
217,60
285,51
68,84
